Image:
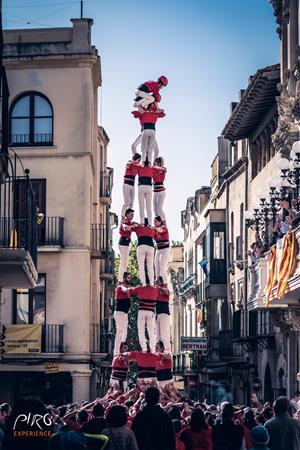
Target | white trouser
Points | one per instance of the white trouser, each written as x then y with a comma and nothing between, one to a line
146,99
145,200
145,253
124,254
149,144
163,331
146,318
118,383
128,195
162,384
138,141
158,203
121,319
162,257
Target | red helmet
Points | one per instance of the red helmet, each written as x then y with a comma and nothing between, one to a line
163,80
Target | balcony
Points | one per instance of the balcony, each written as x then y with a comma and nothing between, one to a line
259,280
99,241
51,232
188,287
52,341
185,363
261,334
32,140
107,266
53,338
18,233
229,350
106,184
101,338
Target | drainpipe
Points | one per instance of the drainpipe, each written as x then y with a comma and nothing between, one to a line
229,318
245,253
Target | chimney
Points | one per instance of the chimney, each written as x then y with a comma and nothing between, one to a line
81,42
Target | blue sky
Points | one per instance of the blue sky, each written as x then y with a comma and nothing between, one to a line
207,48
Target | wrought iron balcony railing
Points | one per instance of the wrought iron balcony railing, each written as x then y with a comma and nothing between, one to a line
18,215
188,285
101,338
51,231
53,338
106,183
99,240
25,140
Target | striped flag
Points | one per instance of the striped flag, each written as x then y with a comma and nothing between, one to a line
272,276
287,263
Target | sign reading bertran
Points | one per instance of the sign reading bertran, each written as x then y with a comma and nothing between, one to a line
193,343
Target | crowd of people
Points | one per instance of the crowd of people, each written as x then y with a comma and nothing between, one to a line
147,418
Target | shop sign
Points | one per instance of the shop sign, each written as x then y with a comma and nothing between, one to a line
23,339
193,343
51,367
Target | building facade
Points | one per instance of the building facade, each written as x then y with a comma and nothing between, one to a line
253,344
53,78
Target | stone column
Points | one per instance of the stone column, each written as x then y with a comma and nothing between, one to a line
292,40
81,385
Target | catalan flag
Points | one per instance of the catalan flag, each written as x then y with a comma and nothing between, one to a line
272,276
287,263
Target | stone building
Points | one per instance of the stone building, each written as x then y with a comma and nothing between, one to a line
259,346
53,78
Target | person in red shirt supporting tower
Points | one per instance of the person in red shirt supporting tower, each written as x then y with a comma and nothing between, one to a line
164,368
120,369
147,138
159,190
145,251
129,179
126,229
144,91
162,254
147,296
163,326
122,297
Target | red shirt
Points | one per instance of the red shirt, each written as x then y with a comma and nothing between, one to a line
130,172
162,235
123,232
145,171
120,368
147,296
197,440
159,175
247,436
148,116
154,87
122,292
146,363
163,295
164,363
142,231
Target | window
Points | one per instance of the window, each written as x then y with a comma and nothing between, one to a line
30,304
218,245
31,120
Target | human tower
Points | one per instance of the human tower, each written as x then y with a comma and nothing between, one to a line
154,361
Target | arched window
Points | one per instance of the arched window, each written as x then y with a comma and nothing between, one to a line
31,120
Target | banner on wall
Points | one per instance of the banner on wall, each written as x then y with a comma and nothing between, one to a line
23,339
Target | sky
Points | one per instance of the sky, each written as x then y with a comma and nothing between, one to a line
206,48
